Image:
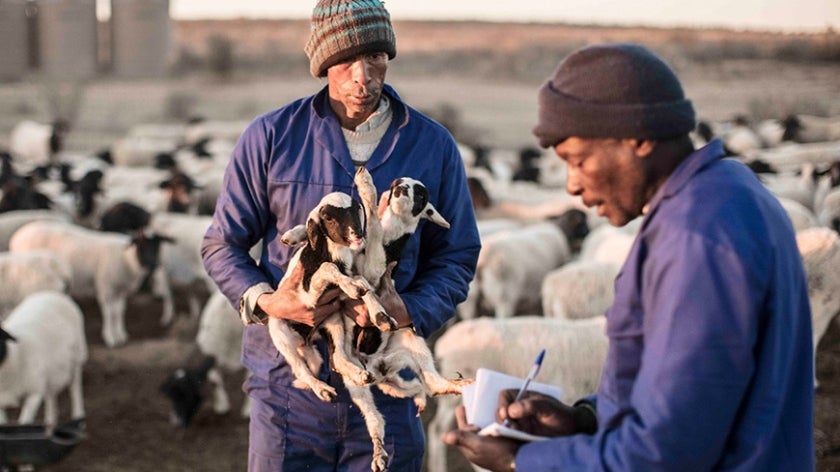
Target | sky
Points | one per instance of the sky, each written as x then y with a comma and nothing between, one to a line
775,15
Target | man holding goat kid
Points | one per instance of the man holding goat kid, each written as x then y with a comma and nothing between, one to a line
284,163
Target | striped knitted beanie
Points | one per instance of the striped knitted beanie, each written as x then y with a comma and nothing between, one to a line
341,29
617,90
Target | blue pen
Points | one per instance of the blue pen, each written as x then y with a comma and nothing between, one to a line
533,373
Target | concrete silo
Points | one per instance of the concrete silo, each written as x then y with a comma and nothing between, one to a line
141,38
68,38
14,53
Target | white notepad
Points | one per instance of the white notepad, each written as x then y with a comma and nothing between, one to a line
482,398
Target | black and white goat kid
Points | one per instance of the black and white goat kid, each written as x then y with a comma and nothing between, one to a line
335,234
390,222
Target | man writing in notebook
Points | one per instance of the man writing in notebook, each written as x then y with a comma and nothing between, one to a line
710,359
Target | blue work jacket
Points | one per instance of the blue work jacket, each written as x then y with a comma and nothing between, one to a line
287,160
710,356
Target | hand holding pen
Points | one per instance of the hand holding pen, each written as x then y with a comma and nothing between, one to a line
535,369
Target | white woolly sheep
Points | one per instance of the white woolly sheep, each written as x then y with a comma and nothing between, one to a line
108,266
182,259
229,130
829,215
607,243
579,289
24,273
512,263
820,249
468,309
799,215
575,354
811,128
791,156
13,220
36,143
42,352
800,188
130,151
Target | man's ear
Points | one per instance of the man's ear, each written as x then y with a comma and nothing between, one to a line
643,147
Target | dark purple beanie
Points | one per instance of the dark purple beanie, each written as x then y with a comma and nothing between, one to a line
612,91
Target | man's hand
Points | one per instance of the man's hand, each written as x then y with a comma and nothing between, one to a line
388,297
284,302
492,453
537,414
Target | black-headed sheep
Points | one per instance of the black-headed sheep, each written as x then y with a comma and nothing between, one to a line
42,352
107,266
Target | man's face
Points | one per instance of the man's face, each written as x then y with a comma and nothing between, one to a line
607,173
356,86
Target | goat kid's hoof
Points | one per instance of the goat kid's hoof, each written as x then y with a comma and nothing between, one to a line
364,378
384,322
326,394
380,457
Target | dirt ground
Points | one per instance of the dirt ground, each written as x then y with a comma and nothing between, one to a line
127,421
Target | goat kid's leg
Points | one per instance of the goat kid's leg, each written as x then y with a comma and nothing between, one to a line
286,340
407,348
397,387
375,422
340,336
375,260
354,287
294,236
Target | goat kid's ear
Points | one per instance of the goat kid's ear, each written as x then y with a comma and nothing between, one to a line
431,213
313,232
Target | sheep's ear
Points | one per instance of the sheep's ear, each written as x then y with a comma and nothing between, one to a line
431,213
313,232
5,336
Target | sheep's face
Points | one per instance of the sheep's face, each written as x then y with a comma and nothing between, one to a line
574,225
148,248
409,199
179,190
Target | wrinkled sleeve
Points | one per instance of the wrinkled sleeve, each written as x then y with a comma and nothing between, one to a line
447,258
700,328
240,218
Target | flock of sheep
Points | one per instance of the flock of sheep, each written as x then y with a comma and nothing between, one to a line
106,226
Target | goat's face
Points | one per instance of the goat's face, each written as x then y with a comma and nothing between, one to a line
338,218
409,199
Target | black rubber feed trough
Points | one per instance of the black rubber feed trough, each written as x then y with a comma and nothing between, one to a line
29,445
